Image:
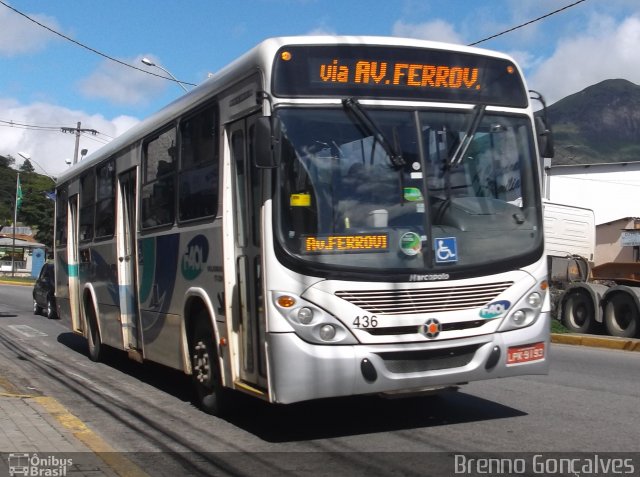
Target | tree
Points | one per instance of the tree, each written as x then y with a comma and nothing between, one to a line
27,166
37,210
6,161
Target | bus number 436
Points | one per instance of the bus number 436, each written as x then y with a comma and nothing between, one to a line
365,321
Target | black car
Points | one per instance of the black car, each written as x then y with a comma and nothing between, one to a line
44,298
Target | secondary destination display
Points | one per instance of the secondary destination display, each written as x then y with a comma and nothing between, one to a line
397,73
346,243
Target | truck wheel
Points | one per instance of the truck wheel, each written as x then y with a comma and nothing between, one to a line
578,312
211,397
621,316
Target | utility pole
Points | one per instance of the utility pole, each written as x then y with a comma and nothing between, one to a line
77,131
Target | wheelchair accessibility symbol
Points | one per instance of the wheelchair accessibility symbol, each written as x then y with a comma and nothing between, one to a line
446,250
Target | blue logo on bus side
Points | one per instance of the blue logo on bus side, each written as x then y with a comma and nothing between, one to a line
195,258
495,309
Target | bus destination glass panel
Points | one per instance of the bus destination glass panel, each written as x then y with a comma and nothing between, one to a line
392,72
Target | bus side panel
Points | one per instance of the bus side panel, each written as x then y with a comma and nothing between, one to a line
168,266
101,272
158,272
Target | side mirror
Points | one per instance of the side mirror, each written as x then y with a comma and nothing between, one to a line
267,142
545,138
544,135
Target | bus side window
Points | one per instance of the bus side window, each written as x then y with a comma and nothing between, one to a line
105,200
198,179
158,198
87,205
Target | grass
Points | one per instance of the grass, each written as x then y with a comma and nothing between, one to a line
557,327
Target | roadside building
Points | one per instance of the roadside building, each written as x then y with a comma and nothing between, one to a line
612,191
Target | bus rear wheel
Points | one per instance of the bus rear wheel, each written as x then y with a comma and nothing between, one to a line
96,350
578,312
211,397
621,316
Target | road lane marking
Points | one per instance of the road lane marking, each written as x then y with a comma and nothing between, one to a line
26,330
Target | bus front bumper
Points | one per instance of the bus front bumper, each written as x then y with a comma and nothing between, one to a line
300,371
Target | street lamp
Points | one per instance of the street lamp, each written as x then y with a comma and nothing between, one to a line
27,157
148,62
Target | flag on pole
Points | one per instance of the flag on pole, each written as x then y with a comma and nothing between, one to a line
18,194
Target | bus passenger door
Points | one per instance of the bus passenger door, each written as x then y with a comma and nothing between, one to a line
73,263
248,307
125,233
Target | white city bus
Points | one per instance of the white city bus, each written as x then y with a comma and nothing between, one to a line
326,216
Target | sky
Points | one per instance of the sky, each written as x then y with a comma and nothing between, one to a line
48,82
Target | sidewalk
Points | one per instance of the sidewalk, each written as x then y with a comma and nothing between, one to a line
38,433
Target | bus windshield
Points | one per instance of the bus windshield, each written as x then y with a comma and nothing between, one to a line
462,196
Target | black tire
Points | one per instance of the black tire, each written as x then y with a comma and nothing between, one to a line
51,309
621,316
210,395
96,350
37,309
578,312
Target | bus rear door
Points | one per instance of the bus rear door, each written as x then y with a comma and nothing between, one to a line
126,229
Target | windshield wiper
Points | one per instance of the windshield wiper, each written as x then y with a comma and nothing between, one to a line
352,105
463,146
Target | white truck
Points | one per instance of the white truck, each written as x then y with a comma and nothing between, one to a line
584,296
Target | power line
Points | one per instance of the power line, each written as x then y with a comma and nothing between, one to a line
527,23
93,50
27,126
52,128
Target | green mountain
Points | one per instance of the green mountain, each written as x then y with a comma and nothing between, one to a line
598,124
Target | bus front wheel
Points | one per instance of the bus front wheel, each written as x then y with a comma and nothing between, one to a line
210,395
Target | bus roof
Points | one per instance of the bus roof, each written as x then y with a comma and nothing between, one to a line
260,57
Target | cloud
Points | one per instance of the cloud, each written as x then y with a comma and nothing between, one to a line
436,30
121,85
19,36
611,51
49,148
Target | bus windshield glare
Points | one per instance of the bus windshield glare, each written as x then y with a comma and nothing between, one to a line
462,197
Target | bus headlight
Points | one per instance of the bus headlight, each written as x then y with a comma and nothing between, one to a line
527,310
327,332
310,322
305,315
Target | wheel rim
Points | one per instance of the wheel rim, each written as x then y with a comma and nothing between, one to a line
622,317
578,311
579,315
202,365
35,306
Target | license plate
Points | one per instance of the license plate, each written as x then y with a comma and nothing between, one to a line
523,354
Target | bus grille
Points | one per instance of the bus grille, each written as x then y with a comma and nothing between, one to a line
425,300
428,360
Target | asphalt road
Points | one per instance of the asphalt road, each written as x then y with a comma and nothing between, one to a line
588,403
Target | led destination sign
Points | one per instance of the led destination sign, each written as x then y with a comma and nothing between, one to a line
405,74
346,243
396,73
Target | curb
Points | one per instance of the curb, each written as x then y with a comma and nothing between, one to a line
16,282
115,460
609,342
